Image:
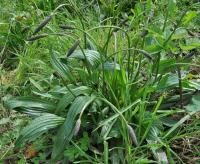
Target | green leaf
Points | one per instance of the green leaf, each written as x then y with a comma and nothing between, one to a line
71,153
168,121
167,65
61,68
35,84
179,34
83,75
190,46
38,126
30,102
194,106
189,16
46,95
91,46
168,81
84,142
154,48
116,115
4,121
92,56
171,7
111,66
69,97
149,5
153,138
106,152
143,160
65,133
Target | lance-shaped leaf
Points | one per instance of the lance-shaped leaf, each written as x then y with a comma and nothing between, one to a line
37,127
66,131
92,56
111,66
90,44
61,68
168,81
69,97
23,103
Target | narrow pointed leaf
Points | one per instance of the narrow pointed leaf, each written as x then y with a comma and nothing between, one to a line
38,126
29,102
111,66
68,97
61,68
92,56
65,133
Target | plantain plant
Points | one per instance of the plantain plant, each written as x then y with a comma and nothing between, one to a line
119,90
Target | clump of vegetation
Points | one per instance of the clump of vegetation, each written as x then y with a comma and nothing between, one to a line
101,82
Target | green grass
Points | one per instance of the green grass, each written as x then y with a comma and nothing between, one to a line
126,92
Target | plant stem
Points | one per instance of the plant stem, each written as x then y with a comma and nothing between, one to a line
105,152
86,61
105,47
180,83
165,22
157,67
